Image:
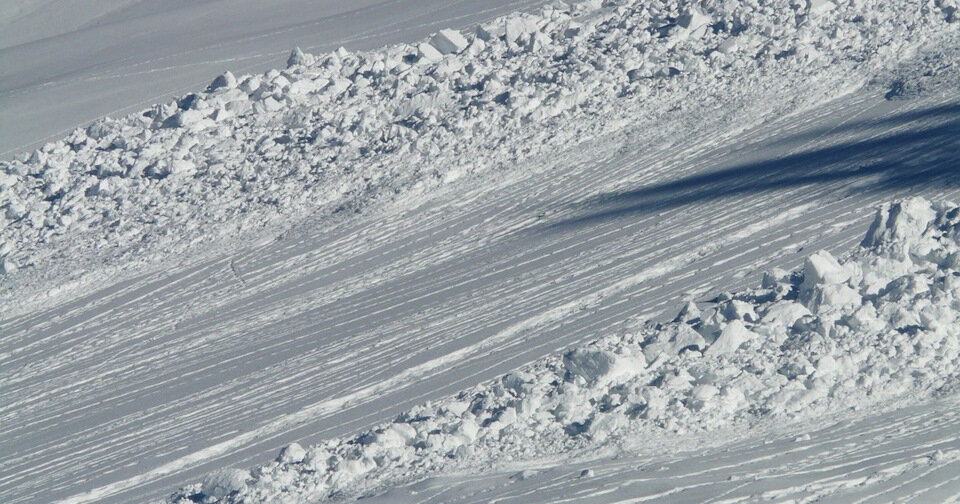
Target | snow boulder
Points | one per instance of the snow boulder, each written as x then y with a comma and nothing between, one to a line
784,313
816,7
731,338
599,366
518,27
226,80
299,58
224,483
293,453
822,268
694,22
898,224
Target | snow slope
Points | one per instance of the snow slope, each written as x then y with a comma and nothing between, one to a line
314,324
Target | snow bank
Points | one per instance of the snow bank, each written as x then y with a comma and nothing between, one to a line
343,130
792,348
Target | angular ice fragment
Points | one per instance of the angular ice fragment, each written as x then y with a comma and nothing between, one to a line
730,339
449,41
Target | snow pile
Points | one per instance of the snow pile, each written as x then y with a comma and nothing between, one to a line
337,131
882,324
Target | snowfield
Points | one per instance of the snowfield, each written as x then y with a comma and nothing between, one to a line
451,269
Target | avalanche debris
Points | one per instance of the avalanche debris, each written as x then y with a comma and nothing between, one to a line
345,129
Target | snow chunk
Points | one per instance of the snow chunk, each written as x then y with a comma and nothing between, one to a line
597,366
222,484
293,453
730,339
449,41
517,27
693,19
815,7
7,266
429,53
299,58
899,223
784,314
224,80
822,268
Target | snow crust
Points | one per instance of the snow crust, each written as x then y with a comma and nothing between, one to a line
877,325
337,132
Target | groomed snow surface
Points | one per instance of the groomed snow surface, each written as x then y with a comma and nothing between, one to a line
312,251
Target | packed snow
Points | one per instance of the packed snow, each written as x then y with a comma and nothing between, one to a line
867,329
301,254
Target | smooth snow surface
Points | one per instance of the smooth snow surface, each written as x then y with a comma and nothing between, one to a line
436,232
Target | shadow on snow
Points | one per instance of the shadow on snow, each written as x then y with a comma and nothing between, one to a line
912,156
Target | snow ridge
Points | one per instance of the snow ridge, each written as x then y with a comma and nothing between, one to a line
337,132
876,326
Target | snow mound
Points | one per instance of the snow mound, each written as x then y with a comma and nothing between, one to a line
340,131
880,324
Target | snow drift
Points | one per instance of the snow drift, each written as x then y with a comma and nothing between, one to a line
878,325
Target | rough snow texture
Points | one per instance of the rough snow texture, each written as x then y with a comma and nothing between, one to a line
334,133
879,325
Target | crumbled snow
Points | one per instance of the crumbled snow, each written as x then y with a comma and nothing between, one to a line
255,153
787,361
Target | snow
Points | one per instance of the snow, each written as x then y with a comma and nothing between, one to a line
450,232
371,120
225,483
449,41
819,364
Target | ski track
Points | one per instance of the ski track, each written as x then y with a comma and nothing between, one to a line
238,355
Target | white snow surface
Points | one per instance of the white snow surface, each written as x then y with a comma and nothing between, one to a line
306,253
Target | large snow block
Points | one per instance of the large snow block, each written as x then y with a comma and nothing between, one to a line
449,41
693,19
225,80
292,454
900,222
822,268
517,27
730,339
596,365
224,483
820,6
428,53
